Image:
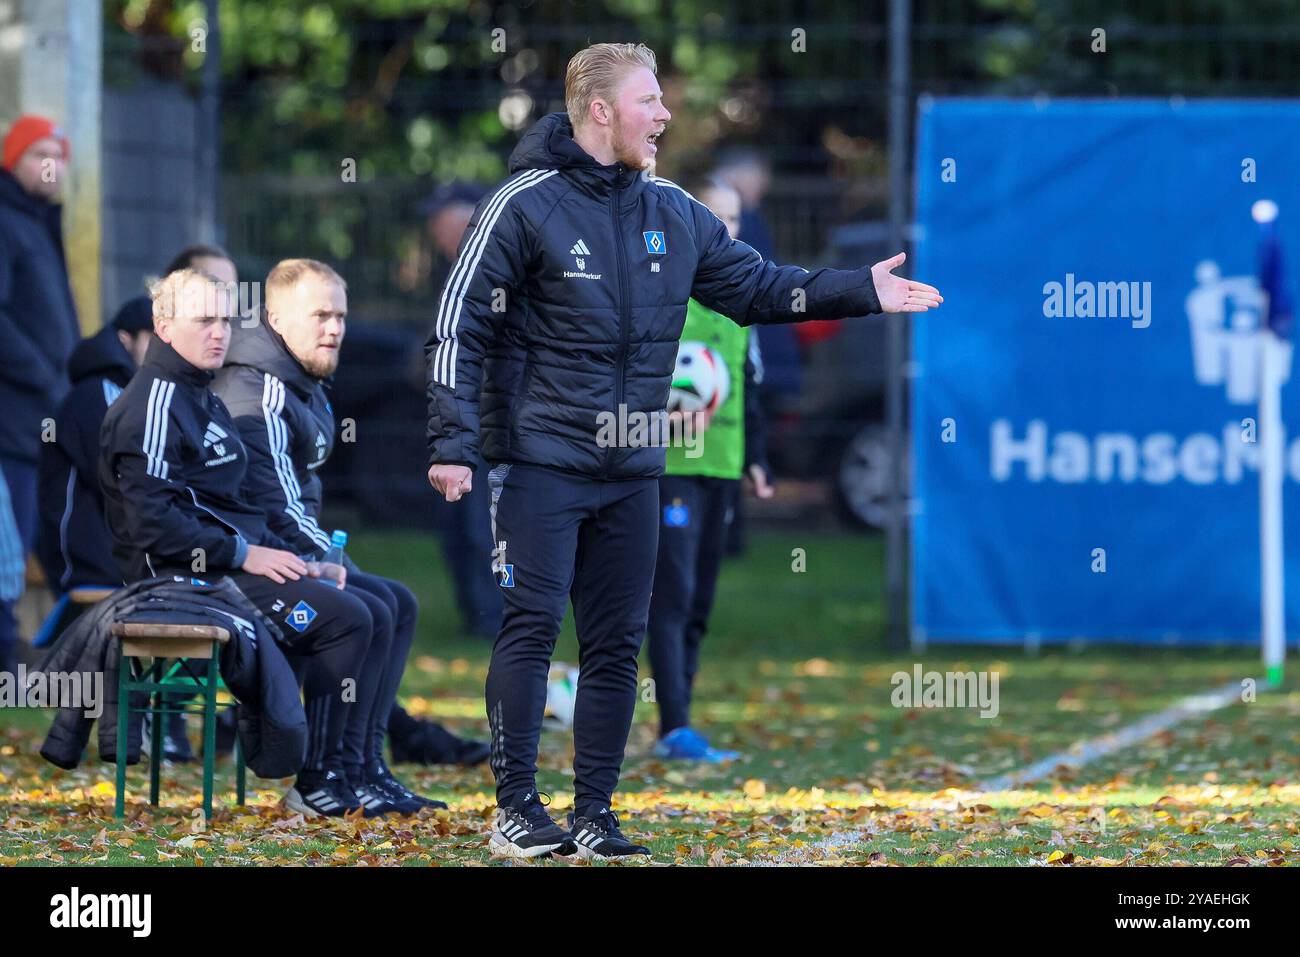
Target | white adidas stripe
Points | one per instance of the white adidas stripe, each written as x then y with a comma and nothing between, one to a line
164,418
667,182
458,284
305,521
150,425
162,407
63,528
453,296
155,427
479,237
277,434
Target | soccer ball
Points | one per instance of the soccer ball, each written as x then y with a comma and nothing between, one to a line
561,696
701,381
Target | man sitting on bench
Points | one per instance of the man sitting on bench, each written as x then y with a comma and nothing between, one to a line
72,540
171,468
272,384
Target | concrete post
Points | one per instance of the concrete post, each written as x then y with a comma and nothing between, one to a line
51,63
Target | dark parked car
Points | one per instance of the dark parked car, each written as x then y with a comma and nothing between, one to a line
835,429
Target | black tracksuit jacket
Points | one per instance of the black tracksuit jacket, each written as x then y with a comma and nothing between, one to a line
272,724
172,468
567,301
287,424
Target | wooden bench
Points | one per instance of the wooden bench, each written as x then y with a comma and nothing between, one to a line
170,646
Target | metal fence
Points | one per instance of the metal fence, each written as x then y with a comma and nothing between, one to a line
819,115
808,88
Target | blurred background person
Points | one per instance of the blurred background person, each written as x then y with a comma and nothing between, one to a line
447,212
697,496
778,372
38,319
207,259
746,171
73,543
463,531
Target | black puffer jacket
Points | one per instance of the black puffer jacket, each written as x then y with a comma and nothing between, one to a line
562,314
38,320
73,543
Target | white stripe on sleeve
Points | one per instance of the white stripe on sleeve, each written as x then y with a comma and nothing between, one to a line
277,435
453,294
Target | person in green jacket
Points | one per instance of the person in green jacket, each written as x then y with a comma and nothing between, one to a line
697,496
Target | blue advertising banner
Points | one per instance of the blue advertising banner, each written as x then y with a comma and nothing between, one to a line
1085,444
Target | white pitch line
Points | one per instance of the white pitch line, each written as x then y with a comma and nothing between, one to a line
1075,756
1083,752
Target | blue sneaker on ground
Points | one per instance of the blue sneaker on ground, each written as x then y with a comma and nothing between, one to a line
687,744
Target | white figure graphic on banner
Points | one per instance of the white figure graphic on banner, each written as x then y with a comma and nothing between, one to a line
1225,314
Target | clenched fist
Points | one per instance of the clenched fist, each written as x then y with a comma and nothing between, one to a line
451,481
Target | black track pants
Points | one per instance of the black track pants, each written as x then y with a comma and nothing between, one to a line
562,536
331,630
692,538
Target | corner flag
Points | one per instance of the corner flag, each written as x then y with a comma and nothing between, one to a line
1274,352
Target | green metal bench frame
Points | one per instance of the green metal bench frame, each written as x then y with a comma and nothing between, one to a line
171,647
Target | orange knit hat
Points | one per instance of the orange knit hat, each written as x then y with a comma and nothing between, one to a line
26,131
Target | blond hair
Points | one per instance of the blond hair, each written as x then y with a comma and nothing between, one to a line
594,73
169,295
286,273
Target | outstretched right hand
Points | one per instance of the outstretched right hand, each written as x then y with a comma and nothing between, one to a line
274,563
897,294
451,481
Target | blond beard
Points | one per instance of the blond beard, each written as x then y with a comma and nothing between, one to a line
320,369
647,166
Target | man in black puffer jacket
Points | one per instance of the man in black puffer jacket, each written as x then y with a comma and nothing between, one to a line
552,355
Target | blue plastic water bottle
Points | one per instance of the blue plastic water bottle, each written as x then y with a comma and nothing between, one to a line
338,542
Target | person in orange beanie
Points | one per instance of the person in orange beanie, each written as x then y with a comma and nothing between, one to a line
38,320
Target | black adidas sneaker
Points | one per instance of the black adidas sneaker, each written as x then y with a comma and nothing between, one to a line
379,776
598,836
321,794
528,831
376,801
